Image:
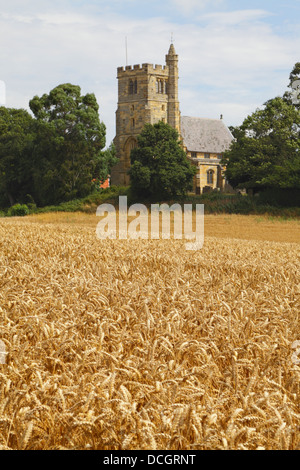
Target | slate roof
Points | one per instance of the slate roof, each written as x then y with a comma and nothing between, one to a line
205,135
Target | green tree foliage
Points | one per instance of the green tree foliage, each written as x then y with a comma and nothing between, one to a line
107,162
159,167
16,143
68,154
57,155
266,150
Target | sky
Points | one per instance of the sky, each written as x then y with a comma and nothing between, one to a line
233,55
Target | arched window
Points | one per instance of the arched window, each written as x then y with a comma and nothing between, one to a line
130,144
210,177
166,88
157,86
135,86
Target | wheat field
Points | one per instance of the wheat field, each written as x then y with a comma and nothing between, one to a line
116,344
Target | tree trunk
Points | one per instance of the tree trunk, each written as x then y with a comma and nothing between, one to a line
11,199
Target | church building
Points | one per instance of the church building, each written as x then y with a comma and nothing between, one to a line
149,94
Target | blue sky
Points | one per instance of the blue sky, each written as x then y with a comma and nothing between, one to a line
233,55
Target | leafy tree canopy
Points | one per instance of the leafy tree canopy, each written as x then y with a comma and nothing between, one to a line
266,150
159,167
69,153
16,142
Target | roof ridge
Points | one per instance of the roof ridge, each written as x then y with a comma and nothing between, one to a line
207,119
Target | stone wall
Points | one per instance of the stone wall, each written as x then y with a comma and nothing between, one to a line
147,93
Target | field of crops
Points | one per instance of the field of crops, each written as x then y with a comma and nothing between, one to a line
116,344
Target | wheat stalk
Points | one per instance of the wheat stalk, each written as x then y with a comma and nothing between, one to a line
143,345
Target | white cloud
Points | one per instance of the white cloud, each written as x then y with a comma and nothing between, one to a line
229,63
235,17
190,6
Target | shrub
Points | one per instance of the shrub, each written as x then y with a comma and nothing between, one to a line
18,210
32,208
280,197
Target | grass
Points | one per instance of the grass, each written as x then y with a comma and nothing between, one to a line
214,203
137,345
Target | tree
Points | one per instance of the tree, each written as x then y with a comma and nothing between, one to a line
110,159
17,135
159,167
266,150
69,150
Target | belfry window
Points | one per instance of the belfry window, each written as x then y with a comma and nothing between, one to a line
160,86
132,87
210,177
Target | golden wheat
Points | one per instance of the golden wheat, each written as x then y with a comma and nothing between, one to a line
143,345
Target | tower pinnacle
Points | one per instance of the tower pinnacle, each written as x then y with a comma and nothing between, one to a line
173,103
172,50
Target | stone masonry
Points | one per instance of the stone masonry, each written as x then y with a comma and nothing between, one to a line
146,94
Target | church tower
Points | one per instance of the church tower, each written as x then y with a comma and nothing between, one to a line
146,94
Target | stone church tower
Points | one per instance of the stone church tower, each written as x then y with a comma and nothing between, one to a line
146,94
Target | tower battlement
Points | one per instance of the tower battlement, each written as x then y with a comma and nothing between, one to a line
149,68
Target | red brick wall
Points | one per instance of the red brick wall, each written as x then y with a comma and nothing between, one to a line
105,184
